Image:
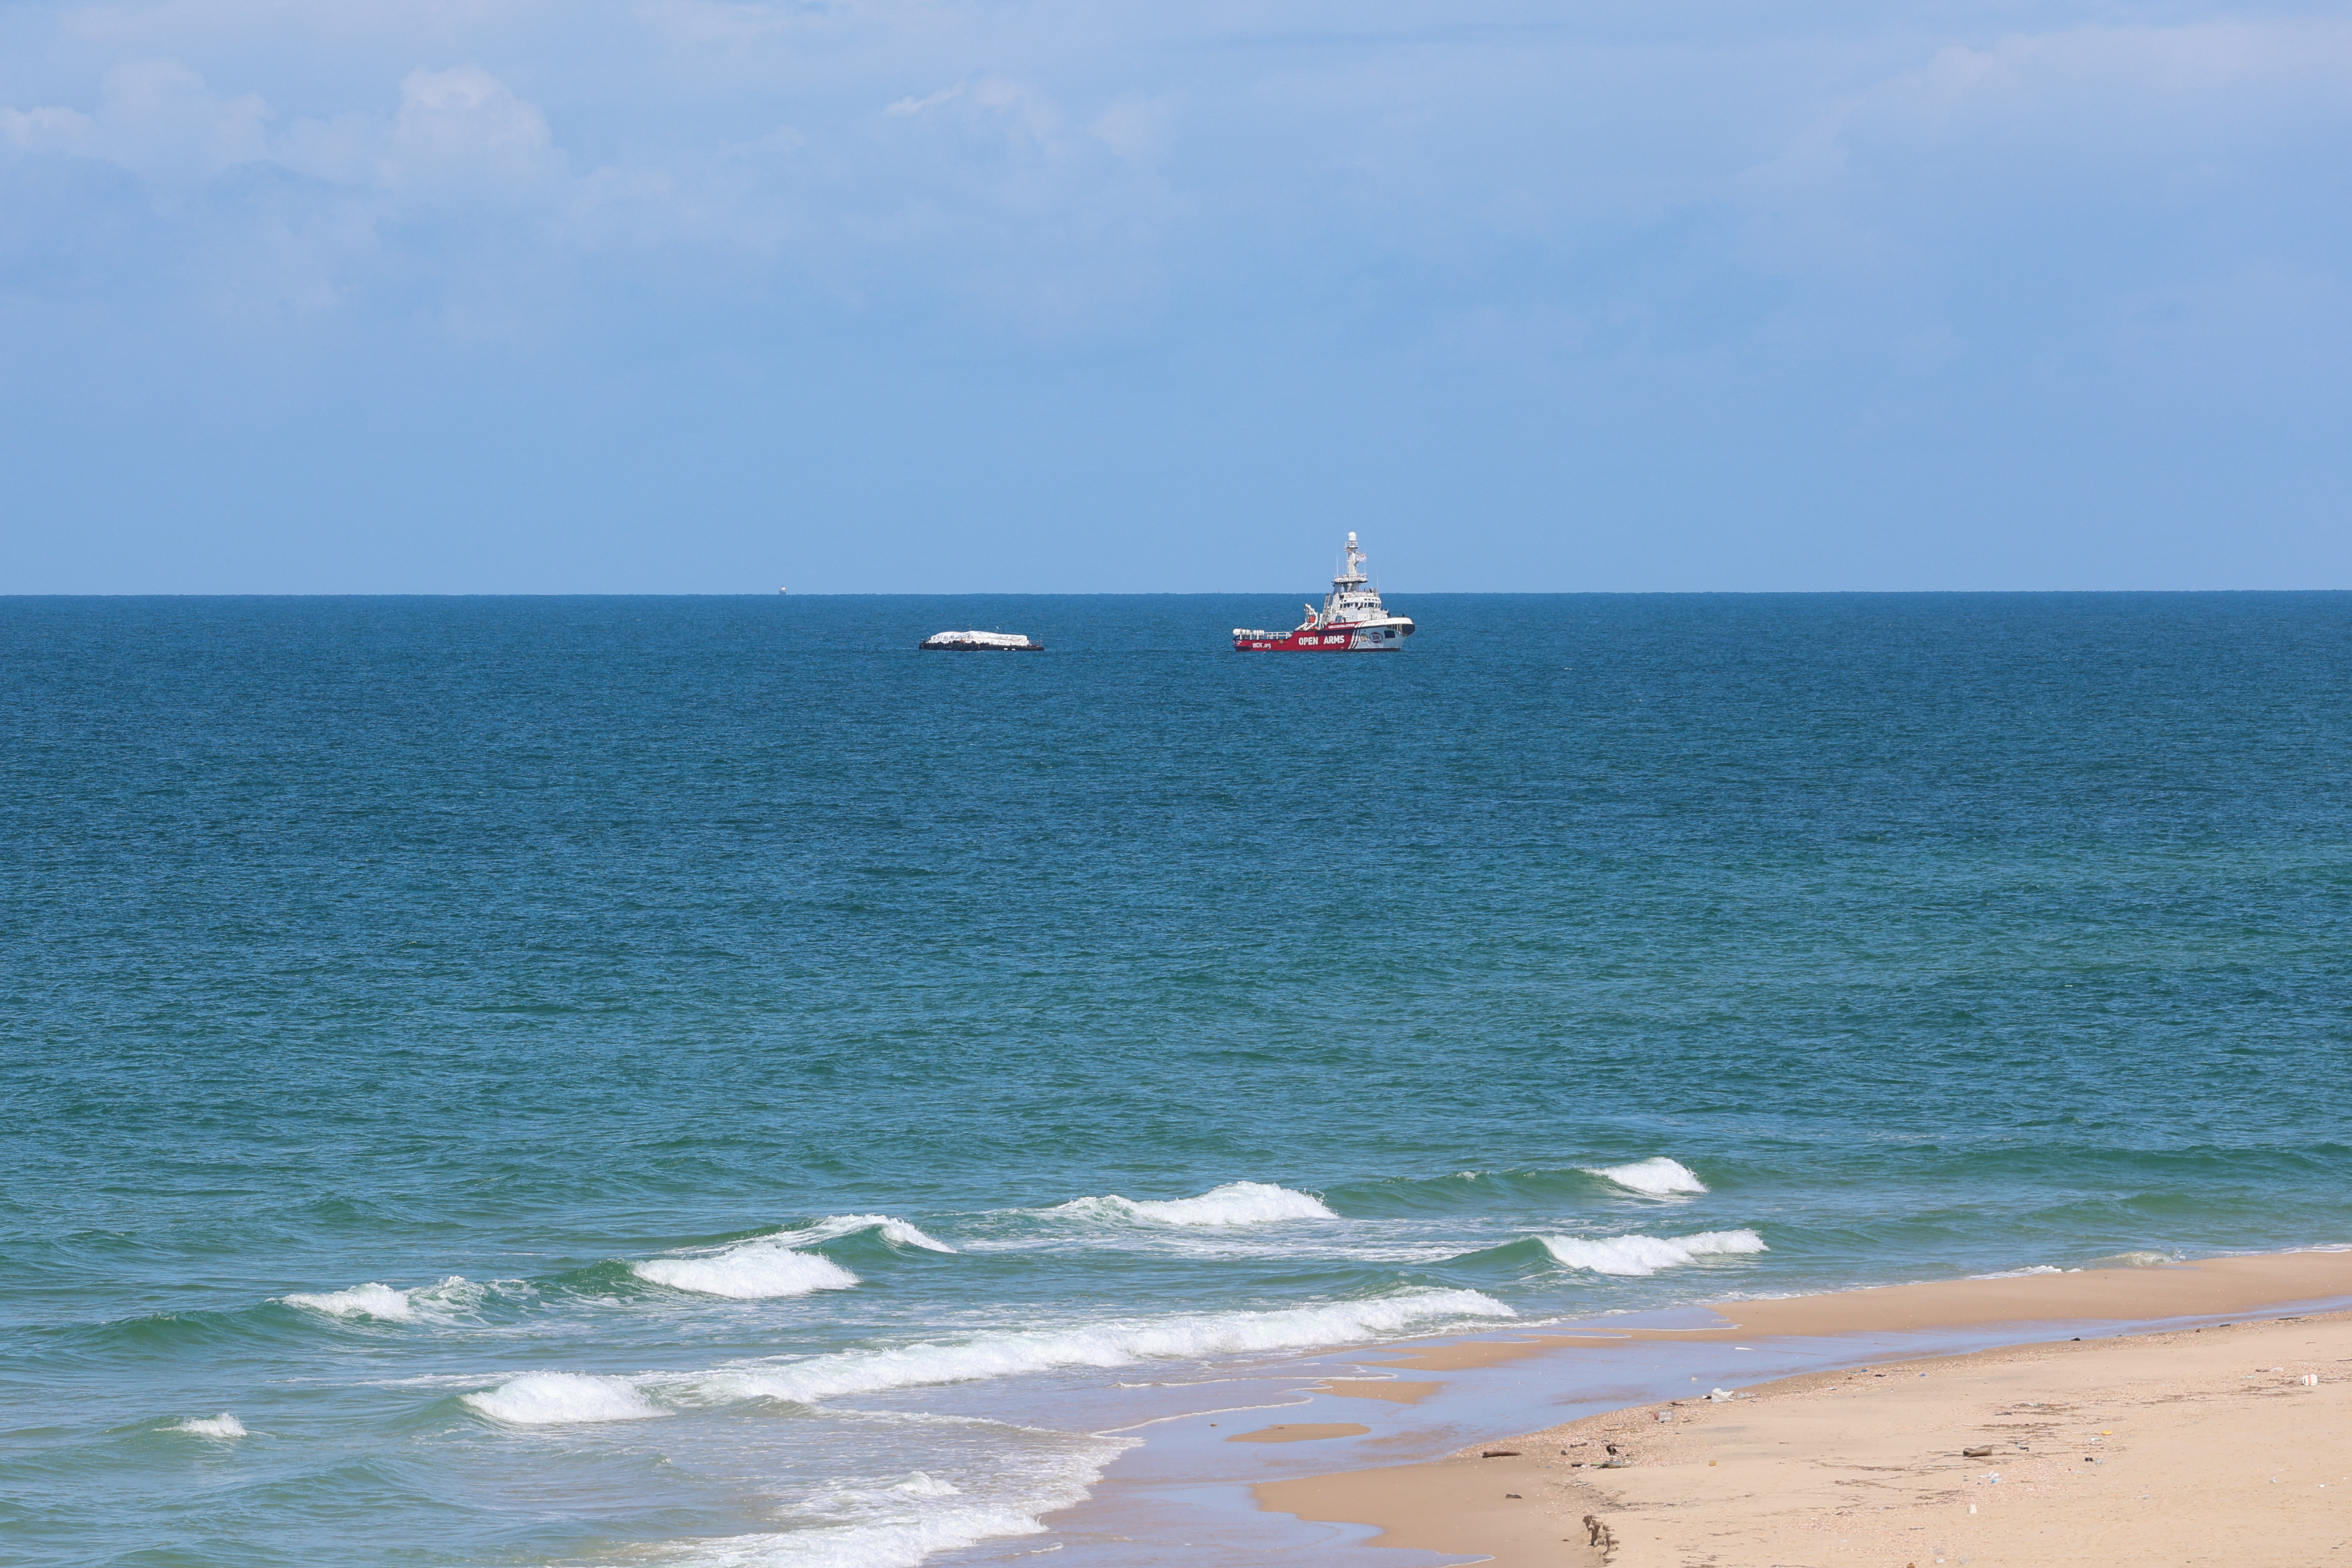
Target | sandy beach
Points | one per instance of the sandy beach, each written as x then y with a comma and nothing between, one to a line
2211,1443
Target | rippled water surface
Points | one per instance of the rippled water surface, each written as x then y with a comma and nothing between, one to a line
585,1080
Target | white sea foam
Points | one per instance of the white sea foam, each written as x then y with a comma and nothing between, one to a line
542,1397
835,1225
359,1301
1636,1255
551,1398
221,1426
750,1271
1115,1342
771,1266
2114,1260
429,1303
878,1542
899,1526
1654,1177
1235,1203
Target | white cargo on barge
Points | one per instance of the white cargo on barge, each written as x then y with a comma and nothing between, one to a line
983,643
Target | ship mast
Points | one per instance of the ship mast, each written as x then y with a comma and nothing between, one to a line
1355,569
1351,575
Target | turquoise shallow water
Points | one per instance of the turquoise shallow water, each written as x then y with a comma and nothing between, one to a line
477,1043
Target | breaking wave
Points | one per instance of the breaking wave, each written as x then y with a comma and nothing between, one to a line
539,1398
221,1426
426,1304
1655,1177
551,1398
832,1227
1235,1203
767,1267
1117,1342
1639,1255
752,1271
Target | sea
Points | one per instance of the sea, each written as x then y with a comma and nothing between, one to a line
551,1082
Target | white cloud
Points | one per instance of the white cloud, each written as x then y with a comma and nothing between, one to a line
907,106
157,119
460,145
2107,111
1027,159
456,132
50,129
463,130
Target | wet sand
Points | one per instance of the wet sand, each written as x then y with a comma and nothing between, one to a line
1396,1391
2140,1448
1301,1432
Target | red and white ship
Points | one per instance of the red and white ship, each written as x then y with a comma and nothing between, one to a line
1350,622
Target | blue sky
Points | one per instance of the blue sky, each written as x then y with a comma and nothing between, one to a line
939,296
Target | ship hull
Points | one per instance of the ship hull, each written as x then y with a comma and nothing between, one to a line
1386,638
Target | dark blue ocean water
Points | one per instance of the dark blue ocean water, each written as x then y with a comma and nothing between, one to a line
477,1043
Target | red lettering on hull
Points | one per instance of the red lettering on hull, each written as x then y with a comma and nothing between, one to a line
1315,642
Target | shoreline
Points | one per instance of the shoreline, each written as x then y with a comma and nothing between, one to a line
1756,1498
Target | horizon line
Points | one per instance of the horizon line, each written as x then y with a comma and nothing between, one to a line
1202,593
